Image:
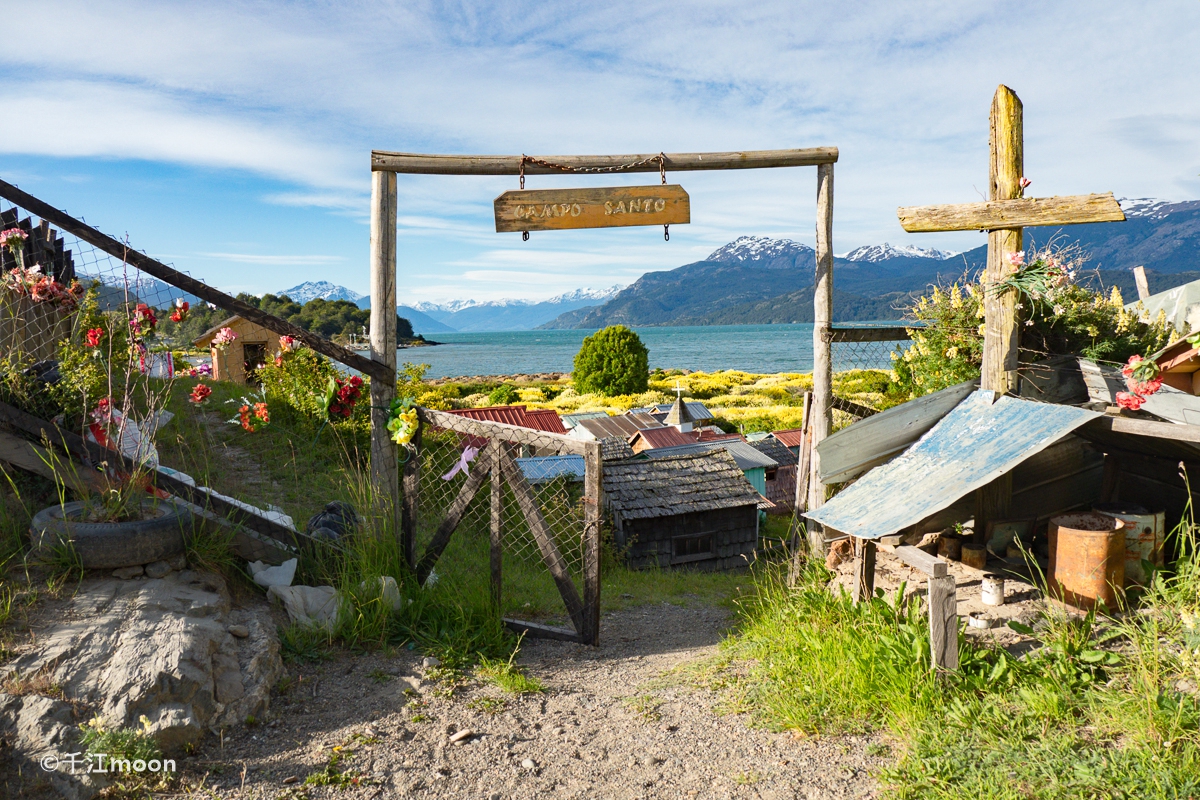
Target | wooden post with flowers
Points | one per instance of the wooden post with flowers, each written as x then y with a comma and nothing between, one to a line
1004,216
385,483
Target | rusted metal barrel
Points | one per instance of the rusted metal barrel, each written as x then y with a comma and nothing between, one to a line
1087,559
1144,533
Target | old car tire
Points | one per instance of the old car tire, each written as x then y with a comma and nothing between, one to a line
108,545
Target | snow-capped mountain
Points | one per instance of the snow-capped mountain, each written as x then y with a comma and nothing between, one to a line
885,251
586,295
311,290
758,248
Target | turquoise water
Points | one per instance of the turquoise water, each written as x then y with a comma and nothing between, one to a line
752,348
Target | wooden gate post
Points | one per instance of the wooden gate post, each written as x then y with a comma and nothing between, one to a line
593,500
384,459
821,409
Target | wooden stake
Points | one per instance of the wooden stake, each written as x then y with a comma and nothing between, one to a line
1007,168
410,513
821,409
864,569
384,458
497,531
593,498
943,623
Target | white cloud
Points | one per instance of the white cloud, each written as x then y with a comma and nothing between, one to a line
275,260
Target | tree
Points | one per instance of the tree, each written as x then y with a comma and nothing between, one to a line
612,361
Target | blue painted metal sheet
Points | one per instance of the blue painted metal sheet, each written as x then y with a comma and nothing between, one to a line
546,468
971,446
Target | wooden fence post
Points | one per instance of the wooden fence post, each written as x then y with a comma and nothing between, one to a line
384,459
593,503
821,409
497,530
943,623
864,569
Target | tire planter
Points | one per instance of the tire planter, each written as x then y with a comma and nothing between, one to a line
109,545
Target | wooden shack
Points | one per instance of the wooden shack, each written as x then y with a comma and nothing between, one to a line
253,347
695,510
781,480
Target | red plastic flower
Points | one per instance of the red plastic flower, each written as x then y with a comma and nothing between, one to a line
244,415
143,322
1131,401
181,311
200,393
260,411
94,335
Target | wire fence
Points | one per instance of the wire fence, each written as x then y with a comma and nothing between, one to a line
513,514
865,346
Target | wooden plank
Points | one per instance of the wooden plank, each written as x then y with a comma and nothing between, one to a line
593,497
943,623
992,502
803,473
864,569
856,448
916,558
537,631
822,393
477,474
495,524
1024,212
1145,427
189,284
852,408
1143,286
30,457
598,207
1000,314
385,466
559,443
411,500
91,452
426,164
545,541
890,333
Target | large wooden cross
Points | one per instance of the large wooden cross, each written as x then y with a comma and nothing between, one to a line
1004,216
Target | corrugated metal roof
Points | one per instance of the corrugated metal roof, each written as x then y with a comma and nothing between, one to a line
745,455
544,419
624,426
697,410
571,420
974,444
547,468
1181,305
791,437
661,437
680,484
538,419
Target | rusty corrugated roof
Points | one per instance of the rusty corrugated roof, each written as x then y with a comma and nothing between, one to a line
791,437
661,437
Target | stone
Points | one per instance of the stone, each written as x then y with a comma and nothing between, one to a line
178,562
429,662
126,573
462,736
158,569
529,763
240,631
411,682
160,649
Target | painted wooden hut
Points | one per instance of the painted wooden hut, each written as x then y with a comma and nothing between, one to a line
694,510
781,480
253,347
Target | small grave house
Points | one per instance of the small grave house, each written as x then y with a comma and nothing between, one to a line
692,510
781,480
252,348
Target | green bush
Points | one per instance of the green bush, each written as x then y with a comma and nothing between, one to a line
503,395
612,361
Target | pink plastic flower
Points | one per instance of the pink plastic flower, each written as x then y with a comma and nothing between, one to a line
224,338
1131,401
1017,259
14,237
1025,182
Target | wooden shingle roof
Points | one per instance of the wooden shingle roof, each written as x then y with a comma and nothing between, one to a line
677,485
774,449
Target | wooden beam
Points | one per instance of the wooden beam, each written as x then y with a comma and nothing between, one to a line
1025,212
1007,168
545,541
864,569
536,631
486,429
26,455
496,524
1145,427
880,334
477,474
425,164
190,285
943,623
852,408
917,558
821,408
412,490
1143,286
385,466
593,498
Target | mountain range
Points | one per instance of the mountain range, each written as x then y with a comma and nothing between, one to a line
758,280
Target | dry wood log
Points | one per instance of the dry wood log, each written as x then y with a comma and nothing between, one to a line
1020,212
425,164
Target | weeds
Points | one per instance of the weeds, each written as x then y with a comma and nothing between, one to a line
508,676
645,706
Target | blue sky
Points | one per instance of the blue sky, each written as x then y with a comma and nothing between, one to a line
233,139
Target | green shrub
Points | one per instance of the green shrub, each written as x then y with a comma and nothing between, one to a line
612,361
503,395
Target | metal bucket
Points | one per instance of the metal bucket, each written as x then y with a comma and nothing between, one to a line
1144,534
1087,559
992,590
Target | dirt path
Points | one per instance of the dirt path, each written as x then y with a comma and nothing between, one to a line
608,726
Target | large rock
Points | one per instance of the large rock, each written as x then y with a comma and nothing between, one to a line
162,649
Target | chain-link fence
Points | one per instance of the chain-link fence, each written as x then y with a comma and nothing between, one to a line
513,508
865,346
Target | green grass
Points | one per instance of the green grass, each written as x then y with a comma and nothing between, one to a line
508,676
1094,713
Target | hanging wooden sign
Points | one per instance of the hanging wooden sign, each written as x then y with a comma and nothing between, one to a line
615,207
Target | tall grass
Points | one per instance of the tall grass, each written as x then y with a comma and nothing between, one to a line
1105,708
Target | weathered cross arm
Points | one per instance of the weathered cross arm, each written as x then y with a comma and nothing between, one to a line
1020,213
